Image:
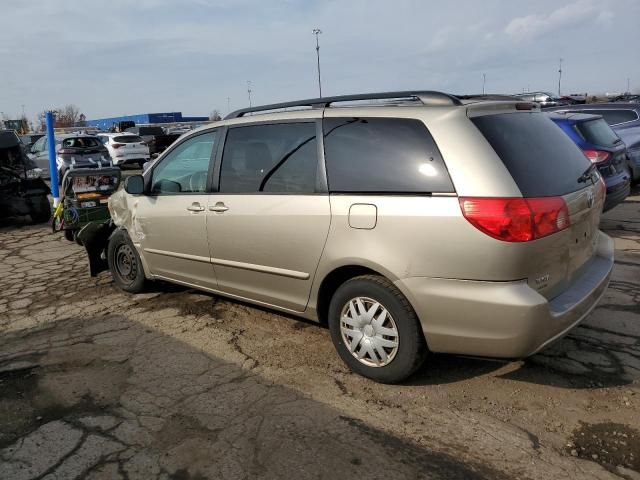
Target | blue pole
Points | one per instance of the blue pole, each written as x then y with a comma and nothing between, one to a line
53,168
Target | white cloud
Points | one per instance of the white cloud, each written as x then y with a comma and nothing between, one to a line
535,25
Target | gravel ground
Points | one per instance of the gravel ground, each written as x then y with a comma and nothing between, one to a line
176,384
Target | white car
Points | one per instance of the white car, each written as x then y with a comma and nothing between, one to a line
125,148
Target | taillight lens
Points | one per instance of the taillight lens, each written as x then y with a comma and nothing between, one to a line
117,145
596,156
516,219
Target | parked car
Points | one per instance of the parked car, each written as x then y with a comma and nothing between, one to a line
154,137
126,148
603,147
74,150
29,139
624,119
22,191
545,99
428,223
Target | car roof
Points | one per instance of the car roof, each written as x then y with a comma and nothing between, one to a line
118,134
572,116
604,106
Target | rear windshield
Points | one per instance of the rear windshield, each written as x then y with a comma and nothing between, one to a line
614,117
81,142
128,139
150,131
597,132
541,158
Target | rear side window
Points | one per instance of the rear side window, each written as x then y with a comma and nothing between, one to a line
597,132
278,158
613,117
541,158
386,155
128,139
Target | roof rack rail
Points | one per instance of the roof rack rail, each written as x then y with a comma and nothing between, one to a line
489,96
426,97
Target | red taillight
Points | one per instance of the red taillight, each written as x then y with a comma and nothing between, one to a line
596,156
516,219
118,145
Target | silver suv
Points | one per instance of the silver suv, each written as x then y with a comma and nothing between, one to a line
408,222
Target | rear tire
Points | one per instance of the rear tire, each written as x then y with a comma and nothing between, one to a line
41,210
385,342
124,263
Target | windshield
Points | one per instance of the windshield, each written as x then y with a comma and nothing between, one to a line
128,139
81,142
541,158
597,132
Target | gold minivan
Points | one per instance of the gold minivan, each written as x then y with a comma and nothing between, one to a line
407,221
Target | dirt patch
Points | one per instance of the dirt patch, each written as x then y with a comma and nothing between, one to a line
609,444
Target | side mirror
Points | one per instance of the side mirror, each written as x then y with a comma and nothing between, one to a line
145,166
134,185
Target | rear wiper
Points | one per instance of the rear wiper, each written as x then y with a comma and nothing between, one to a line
587,174
617,141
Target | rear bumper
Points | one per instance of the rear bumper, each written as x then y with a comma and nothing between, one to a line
617,193
504,319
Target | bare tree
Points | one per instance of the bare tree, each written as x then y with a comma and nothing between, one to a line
215,116
67,116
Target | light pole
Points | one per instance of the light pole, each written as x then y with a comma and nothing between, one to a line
228,104
628,82
249,91
484,81
316,32
559,78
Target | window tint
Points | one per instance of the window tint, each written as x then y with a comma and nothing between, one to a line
597,132
128,139
270,158
382,155
185,169
541,158
614,117
81,142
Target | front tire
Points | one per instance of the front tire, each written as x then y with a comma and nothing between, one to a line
375,330
124,263
41,210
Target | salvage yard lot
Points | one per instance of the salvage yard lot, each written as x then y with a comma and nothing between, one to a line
178,384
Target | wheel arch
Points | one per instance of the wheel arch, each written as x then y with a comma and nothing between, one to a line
332,281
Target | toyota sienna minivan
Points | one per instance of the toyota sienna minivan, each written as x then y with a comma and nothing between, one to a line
408,222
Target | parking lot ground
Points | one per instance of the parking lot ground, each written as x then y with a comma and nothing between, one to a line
96,383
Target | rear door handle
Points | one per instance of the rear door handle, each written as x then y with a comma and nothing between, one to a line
195,207
219,207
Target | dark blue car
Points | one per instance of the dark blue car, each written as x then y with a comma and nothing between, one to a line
603,147
624,119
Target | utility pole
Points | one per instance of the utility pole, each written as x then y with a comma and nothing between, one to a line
559,78
628,85
249,92
316,32
484,81
23,108
228,104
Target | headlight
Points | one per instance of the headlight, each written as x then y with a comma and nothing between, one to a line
34,173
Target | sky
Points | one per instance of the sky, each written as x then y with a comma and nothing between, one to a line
120,57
